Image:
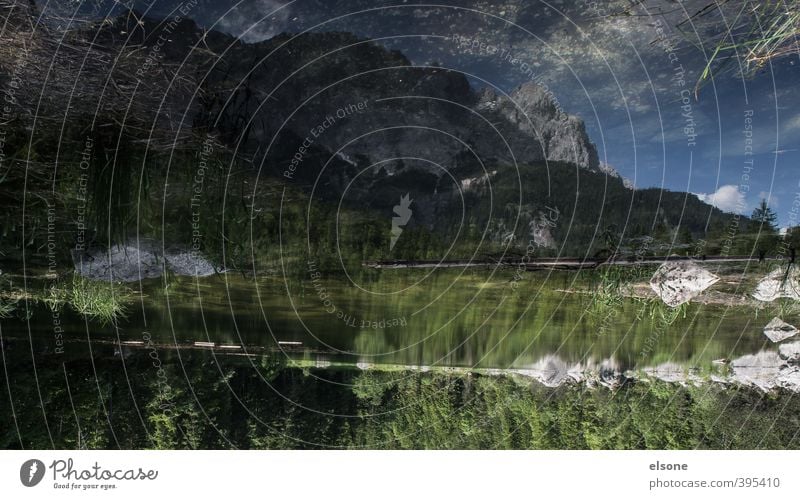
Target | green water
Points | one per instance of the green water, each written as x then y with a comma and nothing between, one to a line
446,317
78,388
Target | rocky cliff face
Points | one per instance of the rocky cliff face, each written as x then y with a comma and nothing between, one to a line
266,98
531,109
359,122
407,111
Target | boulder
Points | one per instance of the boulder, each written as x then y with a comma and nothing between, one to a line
118,263
789,379
759,370
552,371
790,352
678,282
778,330
671,373
189,263
125,263
779,283
609,374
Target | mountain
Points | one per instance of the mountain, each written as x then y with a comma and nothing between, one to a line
533,111
348,126
423,112
252,94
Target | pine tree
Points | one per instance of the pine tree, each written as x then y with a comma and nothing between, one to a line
764,216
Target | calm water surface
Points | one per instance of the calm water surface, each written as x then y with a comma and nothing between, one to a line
447,317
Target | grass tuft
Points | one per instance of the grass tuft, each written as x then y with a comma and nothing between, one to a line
99,300
7,307
760,33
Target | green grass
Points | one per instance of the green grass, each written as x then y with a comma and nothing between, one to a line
99,300
761,32
610,286
7,307
664,315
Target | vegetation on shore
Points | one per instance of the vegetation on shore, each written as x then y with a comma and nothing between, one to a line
101,300
224,403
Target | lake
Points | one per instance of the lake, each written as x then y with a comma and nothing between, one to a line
431,317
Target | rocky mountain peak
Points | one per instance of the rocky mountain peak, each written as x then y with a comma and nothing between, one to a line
532,109
614,173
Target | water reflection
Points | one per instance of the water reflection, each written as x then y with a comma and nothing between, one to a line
448,318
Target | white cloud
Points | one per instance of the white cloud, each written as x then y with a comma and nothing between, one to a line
727,198
792,124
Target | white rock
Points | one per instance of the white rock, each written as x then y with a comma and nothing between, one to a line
779,284
609,374
760,370
540,229
678,282
671,373
552,371
132,263
790,352
789,379
718,379
189,263
119,263
777,330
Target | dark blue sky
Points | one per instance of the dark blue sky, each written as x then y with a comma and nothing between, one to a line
622,74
